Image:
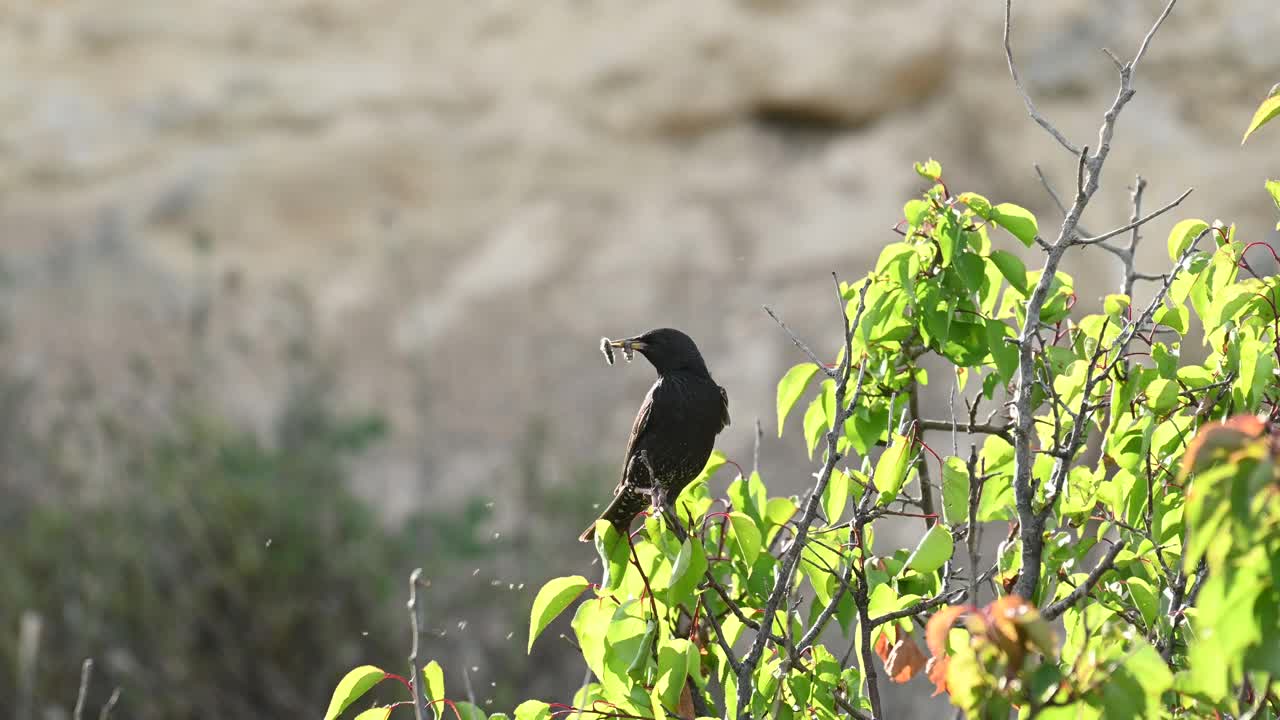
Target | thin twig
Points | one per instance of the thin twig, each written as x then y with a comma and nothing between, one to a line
1088,178
792,556
1057,607
1001,431
1026,99
1136,223
1130,270
417,625
800,343
86,672
105,713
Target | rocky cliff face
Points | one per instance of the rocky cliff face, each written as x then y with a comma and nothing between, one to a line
471,194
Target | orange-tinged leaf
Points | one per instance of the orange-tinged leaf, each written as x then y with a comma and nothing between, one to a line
936,670
905,660
882,648
685,708
1217,440
939,627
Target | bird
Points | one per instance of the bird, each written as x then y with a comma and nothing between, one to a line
675,430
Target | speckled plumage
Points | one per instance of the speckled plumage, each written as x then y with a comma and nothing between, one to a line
674,431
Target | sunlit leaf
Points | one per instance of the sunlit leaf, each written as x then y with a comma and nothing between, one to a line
687,571
746,536
352,687
1265,113
1012,268
891,468
836,495
933,551
533,710
955,491
551,600
433,681
1017,220
1183,234
930,169
614,549
791,387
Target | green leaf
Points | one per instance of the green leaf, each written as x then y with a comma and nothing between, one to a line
929,170
934,550
467,711
1002,352
673,668
776,514
1012,268
746,535
836,495
552,599
1273,187
891,469
352,686
533,710
1266,112
1115,304
1162,395
1175,318
1017,220
791,387
1144,599
377,713
815,421
978,204
590,623
687,571
1183,234
914,211
433,681
955,491
614,548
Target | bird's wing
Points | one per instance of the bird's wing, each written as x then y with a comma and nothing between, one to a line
724,408
638,429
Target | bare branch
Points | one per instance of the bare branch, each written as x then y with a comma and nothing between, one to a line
946,597
1058,607
1053,194
1001,431
110,705
417,625
86,672
800,343
1130,271
792,556
1146,41
1026,99
1088,176
1136,223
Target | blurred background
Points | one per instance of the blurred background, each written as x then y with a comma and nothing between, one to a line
296,296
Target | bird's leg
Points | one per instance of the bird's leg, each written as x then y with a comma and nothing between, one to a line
657,498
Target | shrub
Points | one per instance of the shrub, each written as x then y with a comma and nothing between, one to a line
1156,554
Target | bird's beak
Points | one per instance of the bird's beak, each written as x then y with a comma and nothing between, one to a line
634,343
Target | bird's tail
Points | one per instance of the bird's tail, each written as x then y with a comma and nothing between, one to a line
625,506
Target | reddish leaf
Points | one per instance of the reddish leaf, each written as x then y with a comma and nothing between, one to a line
1218,439
935,633
905,660
937,673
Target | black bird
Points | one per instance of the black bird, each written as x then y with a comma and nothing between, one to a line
675,430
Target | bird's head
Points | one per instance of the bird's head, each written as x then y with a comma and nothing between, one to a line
668,350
